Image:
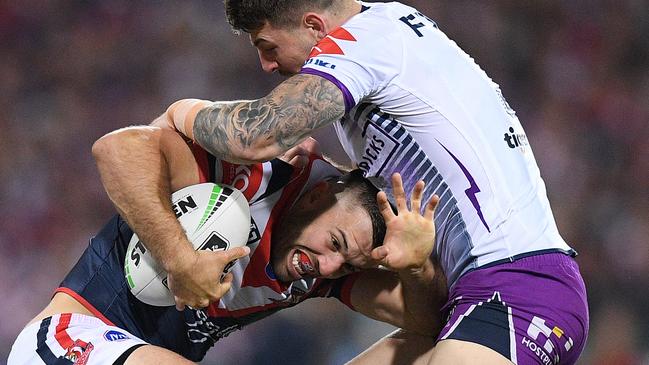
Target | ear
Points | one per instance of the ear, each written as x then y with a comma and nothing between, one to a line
320,189
315,198
317,24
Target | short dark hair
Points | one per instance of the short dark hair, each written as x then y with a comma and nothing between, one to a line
251,15
364,193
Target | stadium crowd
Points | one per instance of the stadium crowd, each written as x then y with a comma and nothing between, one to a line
576,72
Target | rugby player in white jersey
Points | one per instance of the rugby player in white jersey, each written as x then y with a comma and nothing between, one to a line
405,98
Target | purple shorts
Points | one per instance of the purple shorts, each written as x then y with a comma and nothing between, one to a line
532,310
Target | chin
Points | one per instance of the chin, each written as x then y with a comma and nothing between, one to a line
280,270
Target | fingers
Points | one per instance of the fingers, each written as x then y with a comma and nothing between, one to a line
225,285
236,253
429,213
311,145
299,161
398,192
417,195
384,206
197,303
294,152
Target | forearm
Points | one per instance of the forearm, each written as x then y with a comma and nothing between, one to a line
136,176
408,300
258,130
423,292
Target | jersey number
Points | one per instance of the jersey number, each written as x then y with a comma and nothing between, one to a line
409,20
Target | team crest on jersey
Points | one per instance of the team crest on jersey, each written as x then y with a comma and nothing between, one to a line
79,352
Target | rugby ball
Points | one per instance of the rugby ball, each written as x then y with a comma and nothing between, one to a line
215,217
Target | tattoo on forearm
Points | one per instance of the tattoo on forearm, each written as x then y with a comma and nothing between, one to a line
288,114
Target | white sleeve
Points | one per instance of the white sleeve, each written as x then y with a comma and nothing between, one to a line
359,61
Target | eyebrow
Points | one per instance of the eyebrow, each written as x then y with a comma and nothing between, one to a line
344,239
259,40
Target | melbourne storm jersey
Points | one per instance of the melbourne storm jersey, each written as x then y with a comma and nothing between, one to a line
417,104
97,280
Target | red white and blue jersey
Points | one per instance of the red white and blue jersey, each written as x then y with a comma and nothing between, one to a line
97,280
417,104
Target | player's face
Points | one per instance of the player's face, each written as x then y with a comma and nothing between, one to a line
322,237
283,49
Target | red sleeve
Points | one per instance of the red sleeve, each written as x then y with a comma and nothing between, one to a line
202,159
247,178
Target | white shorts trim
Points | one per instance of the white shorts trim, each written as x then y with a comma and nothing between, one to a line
81,339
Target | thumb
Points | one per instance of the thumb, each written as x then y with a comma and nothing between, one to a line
380,253
236,253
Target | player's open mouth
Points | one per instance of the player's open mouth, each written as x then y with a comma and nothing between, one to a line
302,264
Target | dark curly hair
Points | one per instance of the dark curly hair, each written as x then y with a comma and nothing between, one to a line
364,193
251,15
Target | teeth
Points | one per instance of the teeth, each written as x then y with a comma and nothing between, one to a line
302,263
296,263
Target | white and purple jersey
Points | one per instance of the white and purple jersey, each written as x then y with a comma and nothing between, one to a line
419,105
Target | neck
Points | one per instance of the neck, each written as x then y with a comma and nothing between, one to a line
344,11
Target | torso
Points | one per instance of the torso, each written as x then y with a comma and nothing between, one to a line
96,285
422,107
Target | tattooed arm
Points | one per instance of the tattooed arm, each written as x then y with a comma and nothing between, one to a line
258,130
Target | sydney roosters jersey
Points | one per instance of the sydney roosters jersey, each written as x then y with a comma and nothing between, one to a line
417,104
97,280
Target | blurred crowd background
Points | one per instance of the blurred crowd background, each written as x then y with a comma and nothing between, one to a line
576,72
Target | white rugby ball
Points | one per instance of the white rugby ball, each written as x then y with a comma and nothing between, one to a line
215,217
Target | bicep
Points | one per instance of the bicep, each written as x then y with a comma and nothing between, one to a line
182,165
305,103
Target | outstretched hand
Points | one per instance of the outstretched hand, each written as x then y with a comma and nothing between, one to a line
198,282
410,235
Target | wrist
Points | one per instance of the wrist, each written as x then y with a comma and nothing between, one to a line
182,259
420,273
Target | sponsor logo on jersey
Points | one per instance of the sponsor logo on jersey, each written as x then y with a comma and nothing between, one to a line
379,146
241,179
516,140
113,335
321,63
537,331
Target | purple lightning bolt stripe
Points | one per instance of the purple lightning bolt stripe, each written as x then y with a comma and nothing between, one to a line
472,190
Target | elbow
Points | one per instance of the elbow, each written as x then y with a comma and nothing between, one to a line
121,144
103,147
108,145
